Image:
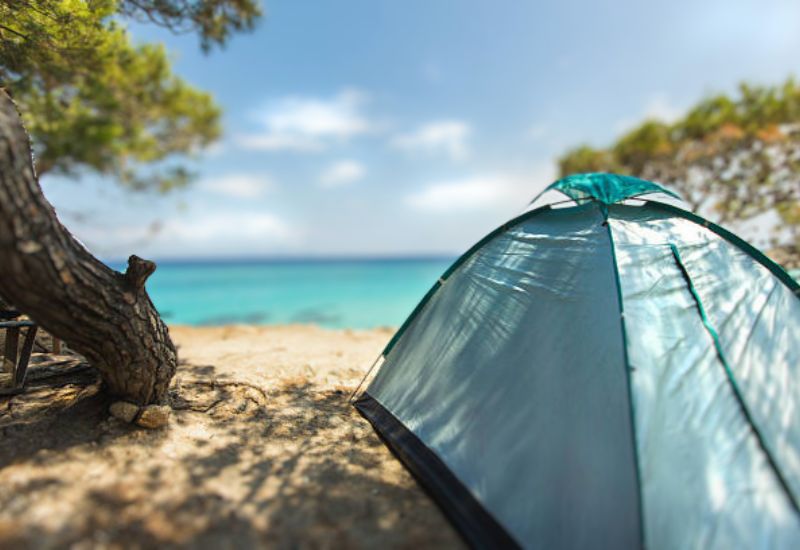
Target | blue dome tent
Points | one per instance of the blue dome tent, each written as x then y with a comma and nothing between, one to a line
614,373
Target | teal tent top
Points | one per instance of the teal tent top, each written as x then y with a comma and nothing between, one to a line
605,188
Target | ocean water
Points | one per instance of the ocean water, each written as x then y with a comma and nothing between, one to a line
362,293
331,293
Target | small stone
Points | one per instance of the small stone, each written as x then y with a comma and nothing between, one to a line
154,416
124,411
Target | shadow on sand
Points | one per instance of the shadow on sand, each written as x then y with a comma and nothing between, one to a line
291,466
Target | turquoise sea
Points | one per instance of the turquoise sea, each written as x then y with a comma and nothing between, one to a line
341,293
352,293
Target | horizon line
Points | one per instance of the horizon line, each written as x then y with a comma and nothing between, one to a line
279,258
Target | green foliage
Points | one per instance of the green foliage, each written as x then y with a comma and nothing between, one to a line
649,141
93,100
736,157
585,159
213,20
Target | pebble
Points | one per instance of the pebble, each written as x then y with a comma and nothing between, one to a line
154,416
124,411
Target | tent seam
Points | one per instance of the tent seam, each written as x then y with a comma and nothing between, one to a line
731,378
631,407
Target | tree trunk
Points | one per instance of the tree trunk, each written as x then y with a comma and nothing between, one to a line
104,315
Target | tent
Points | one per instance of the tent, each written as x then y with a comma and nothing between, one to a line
615,372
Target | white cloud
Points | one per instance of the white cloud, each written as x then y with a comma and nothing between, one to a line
307,124
342,173
227,226
280,142
203,230
538,131
657,107
442,136
239,186
466,194
488,192
208,231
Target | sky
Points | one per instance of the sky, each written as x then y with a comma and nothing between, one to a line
364,128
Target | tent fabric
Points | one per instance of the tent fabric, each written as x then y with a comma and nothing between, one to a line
603,375
466,512
480,347
605,188
702,465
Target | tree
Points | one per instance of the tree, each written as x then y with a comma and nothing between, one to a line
91,99
94,101
733,158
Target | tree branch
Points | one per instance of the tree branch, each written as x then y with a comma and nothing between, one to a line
138,271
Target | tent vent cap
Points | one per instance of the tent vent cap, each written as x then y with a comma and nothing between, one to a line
605,188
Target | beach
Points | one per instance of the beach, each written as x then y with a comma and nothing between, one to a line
263,450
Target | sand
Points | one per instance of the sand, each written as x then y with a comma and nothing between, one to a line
263,450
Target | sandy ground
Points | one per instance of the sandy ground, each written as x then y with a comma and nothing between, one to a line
263,450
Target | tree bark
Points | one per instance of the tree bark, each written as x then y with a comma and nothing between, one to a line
104,315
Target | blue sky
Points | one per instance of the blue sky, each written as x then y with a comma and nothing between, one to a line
389,128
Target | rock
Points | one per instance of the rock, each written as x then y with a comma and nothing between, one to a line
154,416
124,411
